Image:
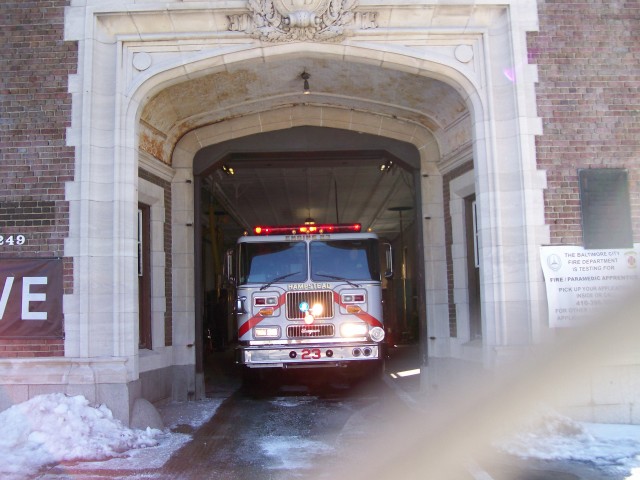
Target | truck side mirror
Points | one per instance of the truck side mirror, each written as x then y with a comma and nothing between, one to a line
228,270
389,260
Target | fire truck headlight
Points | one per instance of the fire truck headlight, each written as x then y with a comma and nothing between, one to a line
377,334
353,329
317,309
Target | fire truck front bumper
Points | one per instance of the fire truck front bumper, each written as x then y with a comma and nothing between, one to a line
300,356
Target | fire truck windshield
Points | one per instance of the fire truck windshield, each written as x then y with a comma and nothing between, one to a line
271,262
344,259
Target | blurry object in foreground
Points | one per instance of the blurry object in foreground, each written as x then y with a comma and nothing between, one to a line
453,427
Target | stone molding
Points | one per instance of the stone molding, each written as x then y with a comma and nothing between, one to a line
64,371
311,20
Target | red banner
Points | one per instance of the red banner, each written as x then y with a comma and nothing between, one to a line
31,297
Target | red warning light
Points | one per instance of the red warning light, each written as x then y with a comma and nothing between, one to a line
309,229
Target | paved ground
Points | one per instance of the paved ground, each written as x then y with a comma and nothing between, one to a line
357,425
497,466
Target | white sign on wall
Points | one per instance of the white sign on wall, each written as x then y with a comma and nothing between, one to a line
580,282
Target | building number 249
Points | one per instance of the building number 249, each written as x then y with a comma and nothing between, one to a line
12,239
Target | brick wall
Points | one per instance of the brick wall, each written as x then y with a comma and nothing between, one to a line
35,110
588,95
35,347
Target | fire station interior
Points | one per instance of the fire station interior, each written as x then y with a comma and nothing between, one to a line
300,174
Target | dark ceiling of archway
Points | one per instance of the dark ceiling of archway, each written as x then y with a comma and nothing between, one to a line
327,174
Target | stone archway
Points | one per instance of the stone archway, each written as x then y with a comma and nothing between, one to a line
125,60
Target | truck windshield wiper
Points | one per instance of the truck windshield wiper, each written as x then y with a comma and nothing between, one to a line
334,277
277,279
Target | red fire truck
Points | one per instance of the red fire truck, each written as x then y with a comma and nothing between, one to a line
309,296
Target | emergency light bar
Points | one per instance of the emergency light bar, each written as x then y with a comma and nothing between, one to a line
308,229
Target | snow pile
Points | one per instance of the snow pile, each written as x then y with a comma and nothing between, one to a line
55,427
552,436
183,416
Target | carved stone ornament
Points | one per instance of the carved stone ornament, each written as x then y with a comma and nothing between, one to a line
300,20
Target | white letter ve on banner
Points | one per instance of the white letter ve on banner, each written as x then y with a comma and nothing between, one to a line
28,297
6,290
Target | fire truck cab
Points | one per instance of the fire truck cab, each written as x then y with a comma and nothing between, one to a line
308,296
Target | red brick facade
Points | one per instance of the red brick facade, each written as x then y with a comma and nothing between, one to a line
588,96
35,111
35,347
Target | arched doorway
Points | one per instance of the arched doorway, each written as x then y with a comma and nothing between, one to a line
390,117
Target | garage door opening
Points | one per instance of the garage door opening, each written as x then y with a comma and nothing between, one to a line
292,176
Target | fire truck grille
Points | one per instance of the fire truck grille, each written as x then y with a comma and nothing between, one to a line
305,331
323,297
